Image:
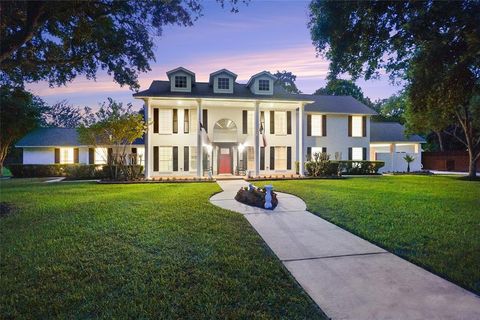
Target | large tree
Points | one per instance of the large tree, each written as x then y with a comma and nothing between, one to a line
287,80
64,115
434,46
20,112
342,87
56,41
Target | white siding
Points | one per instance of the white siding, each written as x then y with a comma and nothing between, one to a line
38,155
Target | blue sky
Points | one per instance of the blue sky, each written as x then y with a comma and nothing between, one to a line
263,35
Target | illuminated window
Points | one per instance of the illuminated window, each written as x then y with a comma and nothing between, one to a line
193,121
165,159
165,121
281,158
280,122
357,126
193,158
180,81
263,85
316,125
357,153
316,150
66,155
224,83
250,122
101,155
250,158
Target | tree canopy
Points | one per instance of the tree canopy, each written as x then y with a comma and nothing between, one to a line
342,87
433,46
20,112
58,41
287,80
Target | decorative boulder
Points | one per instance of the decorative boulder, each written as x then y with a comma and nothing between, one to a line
255,197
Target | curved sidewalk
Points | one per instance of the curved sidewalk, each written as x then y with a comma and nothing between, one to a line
348,277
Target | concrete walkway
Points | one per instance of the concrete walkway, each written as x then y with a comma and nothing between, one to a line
348,277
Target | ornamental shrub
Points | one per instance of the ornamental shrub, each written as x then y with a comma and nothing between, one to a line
321,166
360,167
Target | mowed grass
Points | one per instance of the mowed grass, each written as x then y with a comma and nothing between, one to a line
433,221
83,250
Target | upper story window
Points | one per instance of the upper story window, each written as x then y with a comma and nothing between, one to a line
180,81
357,126
317,125
224,83
263,85
280,123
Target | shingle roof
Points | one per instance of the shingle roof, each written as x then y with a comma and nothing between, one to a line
54,137
330,104
337,104
391,132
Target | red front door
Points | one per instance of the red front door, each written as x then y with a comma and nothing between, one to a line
225,161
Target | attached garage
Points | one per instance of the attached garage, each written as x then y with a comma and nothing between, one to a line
389,143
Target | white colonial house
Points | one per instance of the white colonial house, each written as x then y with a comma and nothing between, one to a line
222,127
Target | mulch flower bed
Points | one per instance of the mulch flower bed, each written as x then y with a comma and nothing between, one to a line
255,197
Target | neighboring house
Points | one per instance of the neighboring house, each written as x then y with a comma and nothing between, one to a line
61,146
389,143
223,127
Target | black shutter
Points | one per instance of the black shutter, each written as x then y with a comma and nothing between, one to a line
57,155
349,153
175,158
309,153
244,121
272,158
349,126
364,156
91,155
134,150
76,155
324,125
324,150
155,120
186,158
133,156
175,121
309,125
364,126
186,121
289,122
110,156
155,158
205,119
272,122
289,158
262,158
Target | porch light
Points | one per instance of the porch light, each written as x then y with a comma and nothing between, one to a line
209,148
241,147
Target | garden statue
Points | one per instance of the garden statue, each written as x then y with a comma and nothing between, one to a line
268,196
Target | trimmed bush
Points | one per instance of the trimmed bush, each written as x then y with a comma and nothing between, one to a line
354,167
37,170
130,172
321,166
84,171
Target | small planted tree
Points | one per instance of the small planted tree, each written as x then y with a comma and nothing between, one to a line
409,159
117,127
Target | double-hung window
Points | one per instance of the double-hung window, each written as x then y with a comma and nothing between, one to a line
180,81
263,85
280,158
317,125
357,126
250,122
193,158
224,83
250,158
193,121
280,122
357,153
165,121
165,159
66,155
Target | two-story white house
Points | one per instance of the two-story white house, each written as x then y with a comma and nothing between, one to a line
224,127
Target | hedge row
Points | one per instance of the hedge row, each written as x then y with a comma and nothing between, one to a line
339,167
71,171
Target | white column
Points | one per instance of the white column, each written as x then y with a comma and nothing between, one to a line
257,138
199,140
393,151
300,140
147,163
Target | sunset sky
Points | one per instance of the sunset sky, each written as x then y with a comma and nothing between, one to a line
262,36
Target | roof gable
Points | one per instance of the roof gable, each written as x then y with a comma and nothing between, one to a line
181,69
222,71
263,73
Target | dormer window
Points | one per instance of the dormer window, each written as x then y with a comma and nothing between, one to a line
224,83
263,85
180,81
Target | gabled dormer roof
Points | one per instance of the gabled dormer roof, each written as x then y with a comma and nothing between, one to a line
263,73
222,71
181,69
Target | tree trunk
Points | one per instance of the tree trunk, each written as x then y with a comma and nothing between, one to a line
440,140
408,167
472,164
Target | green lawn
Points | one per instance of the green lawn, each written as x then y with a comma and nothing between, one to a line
433,221
83,250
